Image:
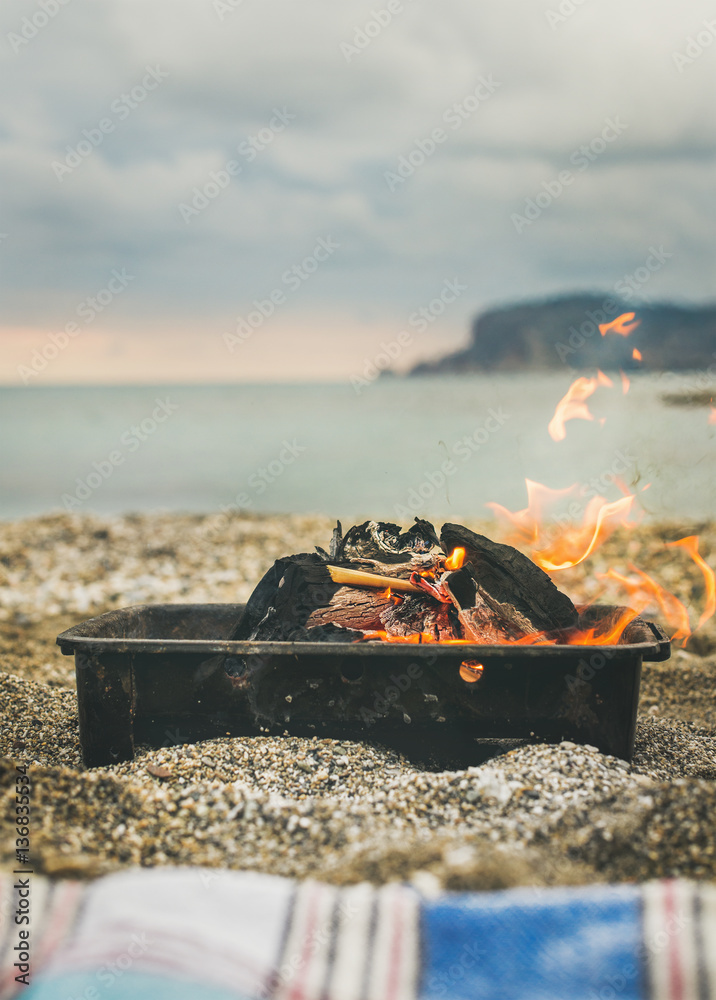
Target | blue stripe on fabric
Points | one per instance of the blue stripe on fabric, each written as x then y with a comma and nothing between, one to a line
528,944
127,986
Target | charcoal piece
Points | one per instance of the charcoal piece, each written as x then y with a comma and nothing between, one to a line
518,590
336,539
418,613
388,543
481,618
285,598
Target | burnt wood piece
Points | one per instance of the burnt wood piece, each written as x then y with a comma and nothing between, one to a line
419,613
285,598
297,596
336,538
387,542
512,581
483,619
352,608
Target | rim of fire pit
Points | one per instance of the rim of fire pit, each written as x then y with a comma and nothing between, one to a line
653,646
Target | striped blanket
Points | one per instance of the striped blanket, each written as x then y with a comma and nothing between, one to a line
204,934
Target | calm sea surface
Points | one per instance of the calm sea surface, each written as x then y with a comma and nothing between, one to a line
439,447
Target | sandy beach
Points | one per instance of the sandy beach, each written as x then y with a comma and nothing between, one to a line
341,811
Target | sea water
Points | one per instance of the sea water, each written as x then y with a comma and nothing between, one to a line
433,447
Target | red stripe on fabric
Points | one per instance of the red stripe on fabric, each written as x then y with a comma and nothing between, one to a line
676,975
396,952
61,917
297,991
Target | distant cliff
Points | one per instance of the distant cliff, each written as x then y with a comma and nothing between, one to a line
564,331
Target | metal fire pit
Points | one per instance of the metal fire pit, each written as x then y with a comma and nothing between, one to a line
160,675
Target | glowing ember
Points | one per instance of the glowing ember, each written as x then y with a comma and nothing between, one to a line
620,325
415,638
636,354
573,405
471,671
455,559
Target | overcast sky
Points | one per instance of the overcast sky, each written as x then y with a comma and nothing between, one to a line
128,169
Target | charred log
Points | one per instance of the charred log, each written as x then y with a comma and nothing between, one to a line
353,608
285,598
498,596
518,590
383,542
418,614
482,618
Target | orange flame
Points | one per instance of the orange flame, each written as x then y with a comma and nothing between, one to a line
573,406
526,524
601,519
455,559
388,595
691,545
620,325
712,415
636,354
625,382
647,590
573,543
601,635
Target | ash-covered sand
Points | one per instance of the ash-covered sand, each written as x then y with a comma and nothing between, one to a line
336,810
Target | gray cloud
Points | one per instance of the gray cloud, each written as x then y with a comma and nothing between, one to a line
325,172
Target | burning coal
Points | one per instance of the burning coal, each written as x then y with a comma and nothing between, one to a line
380,583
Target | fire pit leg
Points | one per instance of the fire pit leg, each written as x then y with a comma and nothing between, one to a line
105,697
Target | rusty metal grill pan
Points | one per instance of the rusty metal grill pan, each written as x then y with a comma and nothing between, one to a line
162,674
